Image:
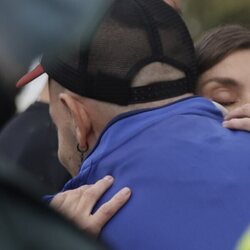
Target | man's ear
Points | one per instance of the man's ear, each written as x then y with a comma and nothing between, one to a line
80,118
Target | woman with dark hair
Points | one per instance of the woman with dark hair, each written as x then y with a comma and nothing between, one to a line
223,56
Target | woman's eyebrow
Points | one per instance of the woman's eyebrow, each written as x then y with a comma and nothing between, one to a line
223,80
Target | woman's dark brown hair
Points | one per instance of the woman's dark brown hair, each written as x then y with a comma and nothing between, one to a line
218,43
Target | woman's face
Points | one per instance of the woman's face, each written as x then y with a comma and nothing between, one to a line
228,82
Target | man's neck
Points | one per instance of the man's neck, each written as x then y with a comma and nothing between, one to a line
159,103
178,98
106,112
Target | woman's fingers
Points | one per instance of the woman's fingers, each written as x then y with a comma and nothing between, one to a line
90,196
78,204
242,112
110,208
239,124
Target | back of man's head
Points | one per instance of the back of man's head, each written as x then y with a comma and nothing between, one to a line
135,40
141,55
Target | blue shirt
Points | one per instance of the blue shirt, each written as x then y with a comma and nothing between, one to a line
190,178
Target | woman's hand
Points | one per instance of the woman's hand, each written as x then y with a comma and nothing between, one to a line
238,118
77,205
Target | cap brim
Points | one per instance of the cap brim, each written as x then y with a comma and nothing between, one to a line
30,76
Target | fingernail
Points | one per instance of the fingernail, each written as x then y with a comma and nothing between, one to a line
108,178
224,124
126,191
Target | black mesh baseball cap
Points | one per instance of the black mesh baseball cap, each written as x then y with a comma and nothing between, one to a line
131,35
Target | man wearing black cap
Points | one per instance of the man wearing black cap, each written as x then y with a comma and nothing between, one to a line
125,106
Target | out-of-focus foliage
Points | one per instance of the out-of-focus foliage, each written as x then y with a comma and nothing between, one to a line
202,15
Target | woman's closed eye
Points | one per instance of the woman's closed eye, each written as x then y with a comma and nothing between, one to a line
224,96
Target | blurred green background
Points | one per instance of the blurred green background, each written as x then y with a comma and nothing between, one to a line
202,15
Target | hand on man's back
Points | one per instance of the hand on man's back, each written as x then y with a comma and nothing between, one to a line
77,205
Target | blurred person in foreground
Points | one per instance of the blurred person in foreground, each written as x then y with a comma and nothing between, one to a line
126,107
